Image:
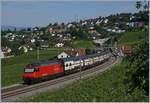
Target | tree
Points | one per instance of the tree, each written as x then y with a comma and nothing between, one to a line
5,42
28,29
62,24
55,24
50,24
138,5
138,68
146,5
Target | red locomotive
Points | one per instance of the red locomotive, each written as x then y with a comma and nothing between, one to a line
42,70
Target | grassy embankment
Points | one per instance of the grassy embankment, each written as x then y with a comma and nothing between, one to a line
132,38
106,87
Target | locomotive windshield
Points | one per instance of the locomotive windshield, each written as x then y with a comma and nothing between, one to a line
29,70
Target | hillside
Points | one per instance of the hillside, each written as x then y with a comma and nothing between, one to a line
82,43
12,68
105,87
132,37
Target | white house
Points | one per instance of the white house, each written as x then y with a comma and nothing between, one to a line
53,34
72,53
84,23
63,55
25,49
69,25
113,30
98,22
59,45
1,54
106,21
100,41
32,40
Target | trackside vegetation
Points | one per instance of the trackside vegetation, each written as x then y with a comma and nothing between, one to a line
106,87
126,82
138,68
132,38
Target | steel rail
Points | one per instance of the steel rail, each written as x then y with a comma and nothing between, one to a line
52,82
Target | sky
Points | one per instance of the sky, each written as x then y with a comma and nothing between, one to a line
41,13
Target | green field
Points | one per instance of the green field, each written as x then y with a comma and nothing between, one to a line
132,37
106,87
82,44
12,68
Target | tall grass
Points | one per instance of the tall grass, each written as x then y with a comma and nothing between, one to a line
107,87
132,37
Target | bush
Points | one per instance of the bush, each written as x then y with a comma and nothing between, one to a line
138,68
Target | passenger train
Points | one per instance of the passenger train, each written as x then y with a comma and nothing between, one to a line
44,70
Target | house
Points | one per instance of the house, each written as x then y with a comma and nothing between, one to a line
1,54
69,25
53,34
44,44
126,49
50,29
35,29
66,39
63,55
5,51
25,49
136,22
73,37
32,40
109,30
98,22
106,21
84,23
72,52
100,41
8,35
92,30
113,30
58,29
59,45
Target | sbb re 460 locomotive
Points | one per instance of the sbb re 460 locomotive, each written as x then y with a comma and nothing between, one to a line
48,69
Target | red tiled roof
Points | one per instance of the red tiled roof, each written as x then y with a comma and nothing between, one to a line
73,52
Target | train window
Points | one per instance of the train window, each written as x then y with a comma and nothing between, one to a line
29,70
70,64
66,65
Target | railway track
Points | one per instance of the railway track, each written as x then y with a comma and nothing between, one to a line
14,91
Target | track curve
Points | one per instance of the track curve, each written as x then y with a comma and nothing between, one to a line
24,88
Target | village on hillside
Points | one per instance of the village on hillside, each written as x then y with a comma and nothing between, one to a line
97,30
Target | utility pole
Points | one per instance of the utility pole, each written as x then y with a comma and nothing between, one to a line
38,53
80,67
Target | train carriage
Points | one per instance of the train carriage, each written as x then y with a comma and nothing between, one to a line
53,68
